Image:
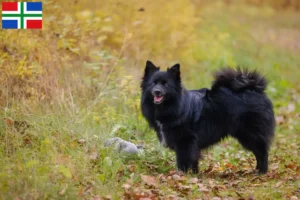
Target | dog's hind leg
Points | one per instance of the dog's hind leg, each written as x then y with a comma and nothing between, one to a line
195,168
261,155
259,148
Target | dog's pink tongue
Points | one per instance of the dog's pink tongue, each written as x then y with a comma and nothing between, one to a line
157,99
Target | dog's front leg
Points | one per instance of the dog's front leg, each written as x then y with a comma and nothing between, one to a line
187,155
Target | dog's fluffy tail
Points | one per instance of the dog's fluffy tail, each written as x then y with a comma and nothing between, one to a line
239,80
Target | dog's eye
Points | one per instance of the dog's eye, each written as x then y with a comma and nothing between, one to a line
164,83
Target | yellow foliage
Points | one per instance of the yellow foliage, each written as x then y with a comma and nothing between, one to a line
46,63
84,45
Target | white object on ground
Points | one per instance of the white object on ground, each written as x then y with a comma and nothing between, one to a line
123,146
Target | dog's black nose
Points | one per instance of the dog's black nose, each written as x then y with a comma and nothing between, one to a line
157,92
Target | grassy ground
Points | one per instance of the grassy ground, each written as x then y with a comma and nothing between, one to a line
60,154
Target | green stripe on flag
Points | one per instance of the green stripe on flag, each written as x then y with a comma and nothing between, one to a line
19,15
22,17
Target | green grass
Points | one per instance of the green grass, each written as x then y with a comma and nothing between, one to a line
48,162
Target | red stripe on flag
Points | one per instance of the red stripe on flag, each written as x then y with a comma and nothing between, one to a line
34,24
9,6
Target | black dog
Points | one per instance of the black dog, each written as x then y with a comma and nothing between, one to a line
188,121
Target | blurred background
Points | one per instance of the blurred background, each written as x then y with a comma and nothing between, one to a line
78,77
88,46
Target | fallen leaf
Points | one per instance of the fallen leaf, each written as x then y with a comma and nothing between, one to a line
290,166
274,174
280,119
171,172
176,177
161,177
171,183
107,197
94,155
150,180
180,173
210,168
278,184
193,180
291,107
131,168
8,121
234,168
184,189
81,141
126,186
202,188
274,166
228,165
220,187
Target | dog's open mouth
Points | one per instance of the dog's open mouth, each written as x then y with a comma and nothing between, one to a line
158,99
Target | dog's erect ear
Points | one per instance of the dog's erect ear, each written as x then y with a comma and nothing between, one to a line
150,68
175,71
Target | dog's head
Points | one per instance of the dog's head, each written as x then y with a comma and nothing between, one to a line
161,86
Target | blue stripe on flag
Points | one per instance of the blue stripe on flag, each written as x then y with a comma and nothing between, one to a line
34,6
9,24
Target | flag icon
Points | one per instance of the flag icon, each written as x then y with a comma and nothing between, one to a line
21,15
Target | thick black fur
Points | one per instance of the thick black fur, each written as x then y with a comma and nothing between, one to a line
188,121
